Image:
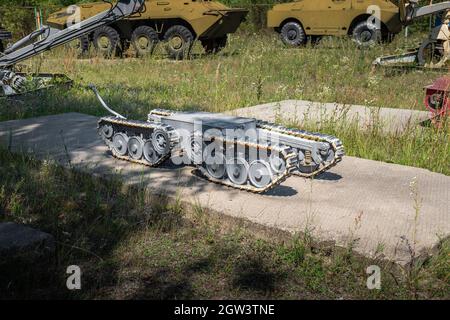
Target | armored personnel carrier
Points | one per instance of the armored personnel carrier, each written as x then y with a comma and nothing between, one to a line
296,21
242,153
176,22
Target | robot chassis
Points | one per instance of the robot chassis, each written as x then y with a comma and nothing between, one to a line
256,157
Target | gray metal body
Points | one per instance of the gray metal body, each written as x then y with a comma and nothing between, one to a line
243,153
411,11
48,38
188,122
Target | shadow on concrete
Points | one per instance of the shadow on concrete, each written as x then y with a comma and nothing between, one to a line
329,176
281,191
71,139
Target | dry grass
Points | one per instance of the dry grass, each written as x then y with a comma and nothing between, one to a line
131,244
254,68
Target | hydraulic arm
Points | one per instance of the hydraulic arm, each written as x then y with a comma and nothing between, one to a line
48,38
434,52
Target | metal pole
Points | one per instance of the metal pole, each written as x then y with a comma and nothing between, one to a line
431,18
36,18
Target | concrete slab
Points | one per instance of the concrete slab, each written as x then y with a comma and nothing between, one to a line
299,110
358,199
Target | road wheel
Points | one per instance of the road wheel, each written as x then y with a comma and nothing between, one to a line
214,45
365,35
81,45
107,41
292,34
179,40
144,40
431,54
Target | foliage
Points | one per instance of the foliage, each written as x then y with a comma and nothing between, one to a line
18,16
131,244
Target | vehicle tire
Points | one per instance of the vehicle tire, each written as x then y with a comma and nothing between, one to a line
84,44
2,48
179,40
431,54
292,34
315,40
107,41
214,45
80,46
144,40
364,35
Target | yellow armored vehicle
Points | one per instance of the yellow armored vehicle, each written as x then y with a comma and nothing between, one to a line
296,21
176,22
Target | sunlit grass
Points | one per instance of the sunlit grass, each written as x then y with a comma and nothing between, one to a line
253,69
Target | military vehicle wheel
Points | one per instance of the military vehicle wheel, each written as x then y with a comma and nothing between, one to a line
107,41
215,165
107,131
277,164
150,154
259,174
2,48
292,34
161,141
120,143
144,40
238,171
135,147
214,45
431,54
81,45
195,148
365,35
179,40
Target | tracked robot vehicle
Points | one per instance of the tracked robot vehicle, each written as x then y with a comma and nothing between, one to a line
242,153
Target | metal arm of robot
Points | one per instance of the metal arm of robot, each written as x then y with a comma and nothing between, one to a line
410,11
31,45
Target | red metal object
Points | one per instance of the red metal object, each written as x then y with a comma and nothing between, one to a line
437,100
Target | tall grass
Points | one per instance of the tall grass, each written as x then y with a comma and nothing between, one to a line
133,245
254,68
414,145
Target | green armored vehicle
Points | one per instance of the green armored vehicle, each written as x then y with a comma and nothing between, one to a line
296,21
176,22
